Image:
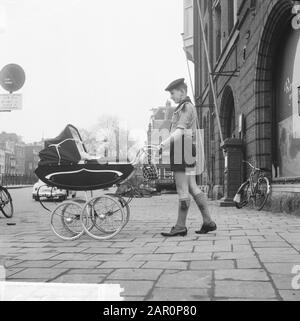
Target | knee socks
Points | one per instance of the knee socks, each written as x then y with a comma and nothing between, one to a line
202,204
183,209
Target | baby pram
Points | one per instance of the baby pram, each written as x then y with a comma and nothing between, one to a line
66,164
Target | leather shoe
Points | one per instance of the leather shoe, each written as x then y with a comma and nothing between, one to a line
206,228
176,232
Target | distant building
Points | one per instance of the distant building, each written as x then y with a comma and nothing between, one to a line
2,161
10,163
32,157
19,152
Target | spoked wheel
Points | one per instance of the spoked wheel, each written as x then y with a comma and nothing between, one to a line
6,205
103,217
261,193
65,221
124,203
243,196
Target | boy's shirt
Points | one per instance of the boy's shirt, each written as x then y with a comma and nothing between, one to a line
186,118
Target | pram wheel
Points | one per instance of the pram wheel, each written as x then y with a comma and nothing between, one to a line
103,217
65,221
125,206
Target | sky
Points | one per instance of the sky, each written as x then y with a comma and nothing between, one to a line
87,58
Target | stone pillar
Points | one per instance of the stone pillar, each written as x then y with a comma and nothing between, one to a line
233,170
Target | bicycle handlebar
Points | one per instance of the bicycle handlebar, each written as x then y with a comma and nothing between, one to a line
253,167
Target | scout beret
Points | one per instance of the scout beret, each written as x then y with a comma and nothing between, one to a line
175,84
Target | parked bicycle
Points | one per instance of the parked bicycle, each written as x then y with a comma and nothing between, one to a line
257,188
6,204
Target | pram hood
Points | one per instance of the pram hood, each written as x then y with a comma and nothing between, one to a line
65,149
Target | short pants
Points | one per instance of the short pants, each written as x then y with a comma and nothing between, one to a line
182,156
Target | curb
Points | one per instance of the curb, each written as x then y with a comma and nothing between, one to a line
18,186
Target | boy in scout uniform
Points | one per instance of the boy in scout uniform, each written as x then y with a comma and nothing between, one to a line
182,145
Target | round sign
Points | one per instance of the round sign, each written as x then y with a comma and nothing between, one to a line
12,77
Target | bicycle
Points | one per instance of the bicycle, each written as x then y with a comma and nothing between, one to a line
256,188
6,204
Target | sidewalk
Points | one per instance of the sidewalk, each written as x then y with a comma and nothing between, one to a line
250,257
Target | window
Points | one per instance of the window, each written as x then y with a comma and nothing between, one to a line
232,14
218,35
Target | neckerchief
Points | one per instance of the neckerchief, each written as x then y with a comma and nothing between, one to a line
182,104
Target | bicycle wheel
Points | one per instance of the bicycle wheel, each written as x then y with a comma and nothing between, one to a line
105,214
242,197
65,221
261,193
6,204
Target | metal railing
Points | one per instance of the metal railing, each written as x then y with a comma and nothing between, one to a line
15,179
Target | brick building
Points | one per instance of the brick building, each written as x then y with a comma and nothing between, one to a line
254,51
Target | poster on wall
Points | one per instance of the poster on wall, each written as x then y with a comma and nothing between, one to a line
288,105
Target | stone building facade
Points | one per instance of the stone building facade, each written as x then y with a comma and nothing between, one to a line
254,51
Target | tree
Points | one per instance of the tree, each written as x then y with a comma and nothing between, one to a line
101,138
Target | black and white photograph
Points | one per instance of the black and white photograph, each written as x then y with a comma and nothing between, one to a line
149,152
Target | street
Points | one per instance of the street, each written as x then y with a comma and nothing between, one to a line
250,257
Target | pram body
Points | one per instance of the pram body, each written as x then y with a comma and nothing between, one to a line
65,164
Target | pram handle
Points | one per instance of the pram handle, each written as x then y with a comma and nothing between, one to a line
147,149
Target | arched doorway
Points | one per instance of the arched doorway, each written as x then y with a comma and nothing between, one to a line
277,95
228,123
228,114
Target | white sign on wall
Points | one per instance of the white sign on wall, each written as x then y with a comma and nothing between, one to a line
10,102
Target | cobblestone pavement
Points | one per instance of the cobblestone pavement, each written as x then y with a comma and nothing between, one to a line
250,257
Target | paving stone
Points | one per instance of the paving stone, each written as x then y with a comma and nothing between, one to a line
36,257
37,264
212,265
248,263
280,268
242,248
283,281
97,270
133,298
213,248
11,271
135,274
122,264
133,288
72,256
110,257
151,257
139,250
277,251
191,257
174,249
80,278
270,245
243,289
165,265
186,279
288,295
78,264
241,275
101,250
233,256
273,258
171,294
38,273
